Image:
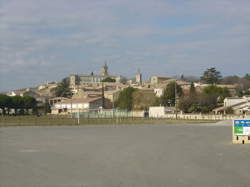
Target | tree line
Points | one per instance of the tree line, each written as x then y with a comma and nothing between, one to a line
203,101
213,76
20,105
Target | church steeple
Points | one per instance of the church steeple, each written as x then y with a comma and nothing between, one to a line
138,77
104,69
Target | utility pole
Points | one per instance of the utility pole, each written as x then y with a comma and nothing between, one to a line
103,99
175,99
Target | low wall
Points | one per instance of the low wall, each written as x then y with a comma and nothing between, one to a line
205,116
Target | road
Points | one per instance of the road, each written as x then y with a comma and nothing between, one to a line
128,156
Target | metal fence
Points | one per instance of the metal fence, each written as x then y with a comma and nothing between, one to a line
108,114
204,116
59,120
107,117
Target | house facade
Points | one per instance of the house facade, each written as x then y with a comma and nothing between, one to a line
77,105
240,105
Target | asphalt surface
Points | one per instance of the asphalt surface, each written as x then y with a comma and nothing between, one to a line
192,155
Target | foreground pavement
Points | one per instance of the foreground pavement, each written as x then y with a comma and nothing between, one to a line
126,156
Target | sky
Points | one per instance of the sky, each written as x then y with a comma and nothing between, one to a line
47,40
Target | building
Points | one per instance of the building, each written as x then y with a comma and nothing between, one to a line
158,79
138,77
239,105
81,80
77,105
47,85
20,92
54,100
230,87
230,101
160,111
158,92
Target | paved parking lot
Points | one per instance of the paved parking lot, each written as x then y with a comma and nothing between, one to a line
132,156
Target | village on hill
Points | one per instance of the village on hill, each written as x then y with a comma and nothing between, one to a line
159,94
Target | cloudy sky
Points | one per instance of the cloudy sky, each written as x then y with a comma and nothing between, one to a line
46,40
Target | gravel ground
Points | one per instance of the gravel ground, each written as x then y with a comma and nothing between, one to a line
127,155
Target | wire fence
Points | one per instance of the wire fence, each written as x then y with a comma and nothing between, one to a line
109,114
69,120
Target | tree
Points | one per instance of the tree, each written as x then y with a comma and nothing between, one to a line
231,80
143,99
220,93
192,90
63,89
4,103
29,103
200,103
211,76
186,102
247,77
17,103
46,106
125,99
168,97
108,79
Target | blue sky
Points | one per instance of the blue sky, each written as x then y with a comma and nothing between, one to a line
44,40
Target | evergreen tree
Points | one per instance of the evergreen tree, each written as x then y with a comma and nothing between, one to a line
108,79
29,103
192,90
4,103
17,103
168,97
247,77
211,76
63,89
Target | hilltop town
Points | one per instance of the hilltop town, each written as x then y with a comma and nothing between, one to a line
85,92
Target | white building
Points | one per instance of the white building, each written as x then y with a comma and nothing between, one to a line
76,105
158,92
240,105
156,112
230,101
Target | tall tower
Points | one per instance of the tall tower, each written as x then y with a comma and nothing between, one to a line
72,81
104,70
138,77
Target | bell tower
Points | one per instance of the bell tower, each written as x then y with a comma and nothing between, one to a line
138,77
104,70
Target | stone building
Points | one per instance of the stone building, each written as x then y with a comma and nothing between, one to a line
138,77
81,80
158,79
